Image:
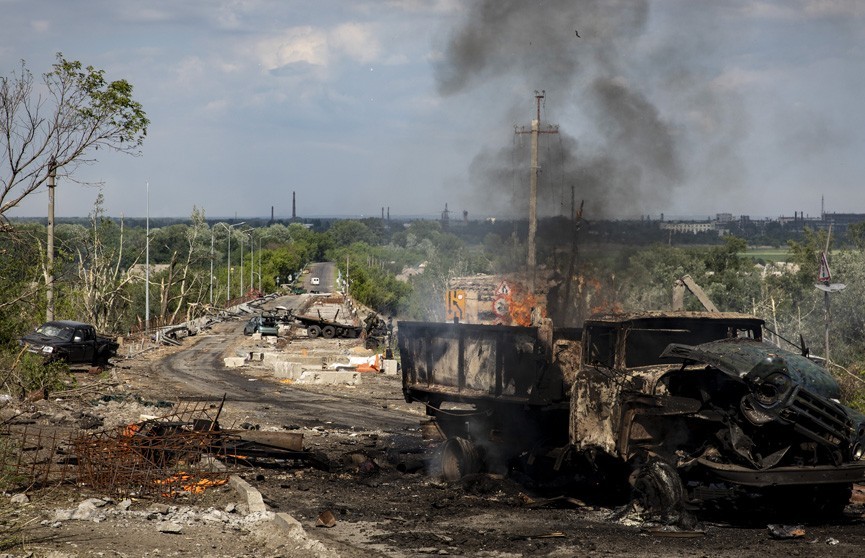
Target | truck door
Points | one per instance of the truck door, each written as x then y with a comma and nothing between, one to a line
86,345
594,414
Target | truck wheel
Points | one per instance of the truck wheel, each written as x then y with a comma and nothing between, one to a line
313,331
459,458
658,488
328,332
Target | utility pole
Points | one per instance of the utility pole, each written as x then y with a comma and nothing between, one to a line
531,262
49,278
147,267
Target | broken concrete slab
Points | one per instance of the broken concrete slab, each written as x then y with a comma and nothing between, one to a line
234,362
254,501
328,377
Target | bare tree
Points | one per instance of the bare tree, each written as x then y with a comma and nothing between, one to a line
77,111
103,283
182,287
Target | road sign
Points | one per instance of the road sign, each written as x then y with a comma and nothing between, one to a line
456,305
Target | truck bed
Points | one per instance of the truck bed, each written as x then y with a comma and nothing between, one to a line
473,363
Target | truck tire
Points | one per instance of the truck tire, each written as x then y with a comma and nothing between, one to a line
328,332
659,489
313,331
459,458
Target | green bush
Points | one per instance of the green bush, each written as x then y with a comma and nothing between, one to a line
24,372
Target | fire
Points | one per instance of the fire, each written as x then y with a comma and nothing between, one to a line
520,304
188,483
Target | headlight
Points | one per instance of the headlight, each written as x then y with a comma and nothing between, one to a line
47,349
772,389
858,451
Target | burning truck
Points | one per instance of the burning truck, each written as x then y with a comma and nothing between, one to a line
676,408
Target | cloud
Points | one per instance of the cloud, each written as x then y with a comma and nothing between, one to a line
40,25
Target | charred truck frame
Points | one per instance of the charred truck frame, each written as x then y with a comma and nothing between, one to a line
685,406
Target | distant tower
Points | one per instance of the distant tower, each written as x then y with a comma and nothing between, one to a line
293,206
388,213
271,215
822,208
382,213
465,216
445,216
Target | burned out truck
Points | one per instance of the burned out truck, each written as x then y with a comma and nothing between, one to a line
673,408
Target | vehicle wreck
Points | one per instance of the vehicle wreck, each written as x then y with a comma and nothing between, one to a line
672,407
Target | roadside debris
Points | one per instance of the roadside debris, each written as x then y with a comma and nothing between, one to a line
782,532
326,519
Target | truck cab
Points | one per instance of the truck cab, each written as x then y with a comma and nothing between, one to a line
71,342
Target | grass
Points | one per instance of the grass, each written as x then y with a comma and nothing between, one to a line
768,254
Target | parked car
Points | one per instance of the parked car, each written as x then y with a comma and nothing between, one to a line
265,325
70,342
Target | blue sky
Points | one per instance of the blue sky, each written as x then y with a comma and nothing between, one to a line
686,107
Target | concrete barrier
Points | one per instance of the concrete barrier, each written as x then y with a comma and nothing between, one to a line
327,377
389,366
234,362
285,370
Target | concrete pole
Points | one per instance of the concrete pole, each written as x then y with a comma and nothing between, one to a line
251,261
228,269
533,206
241,263
49,278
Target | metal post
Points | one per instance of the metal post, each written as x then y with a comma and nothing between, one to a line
251,260
241,264
228,269
147,267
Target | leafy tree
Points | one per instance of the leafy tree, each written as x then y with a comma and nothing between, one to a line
83,112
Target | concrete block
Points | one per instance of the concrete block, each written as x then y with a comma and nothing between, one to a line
234,362
328,377
253,498
256,336
285,370
389,366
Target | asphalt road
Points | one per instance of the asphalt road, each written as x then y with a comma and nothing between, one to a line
326,272
198,372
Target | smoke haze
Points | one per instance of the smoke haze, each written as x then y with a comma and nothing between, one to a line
635,109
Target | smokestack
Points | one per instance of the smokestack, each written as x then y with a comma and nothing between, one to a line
293,206
271,214
382,213
388,213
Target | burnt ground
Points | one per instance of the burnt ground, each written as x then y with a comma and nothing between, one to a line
370,436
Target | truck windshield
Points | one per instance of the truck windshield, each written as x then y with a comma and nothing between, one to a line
53,330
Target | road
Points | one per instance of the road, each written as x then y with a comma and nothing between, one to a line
199,373
326,272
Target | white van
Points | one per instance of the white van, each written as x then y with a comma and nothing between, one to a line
314,280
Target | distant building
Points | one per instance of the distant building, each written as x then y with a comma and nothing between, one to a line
692,228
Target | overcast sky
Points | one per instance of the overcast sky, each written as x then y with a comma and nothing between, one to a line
685,107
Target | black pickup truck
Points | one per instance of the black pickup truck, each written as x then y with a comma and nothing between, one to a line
70,342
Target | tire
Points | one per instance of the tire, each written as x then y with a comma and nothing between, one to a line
313,331
328,332
659,489
459,458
